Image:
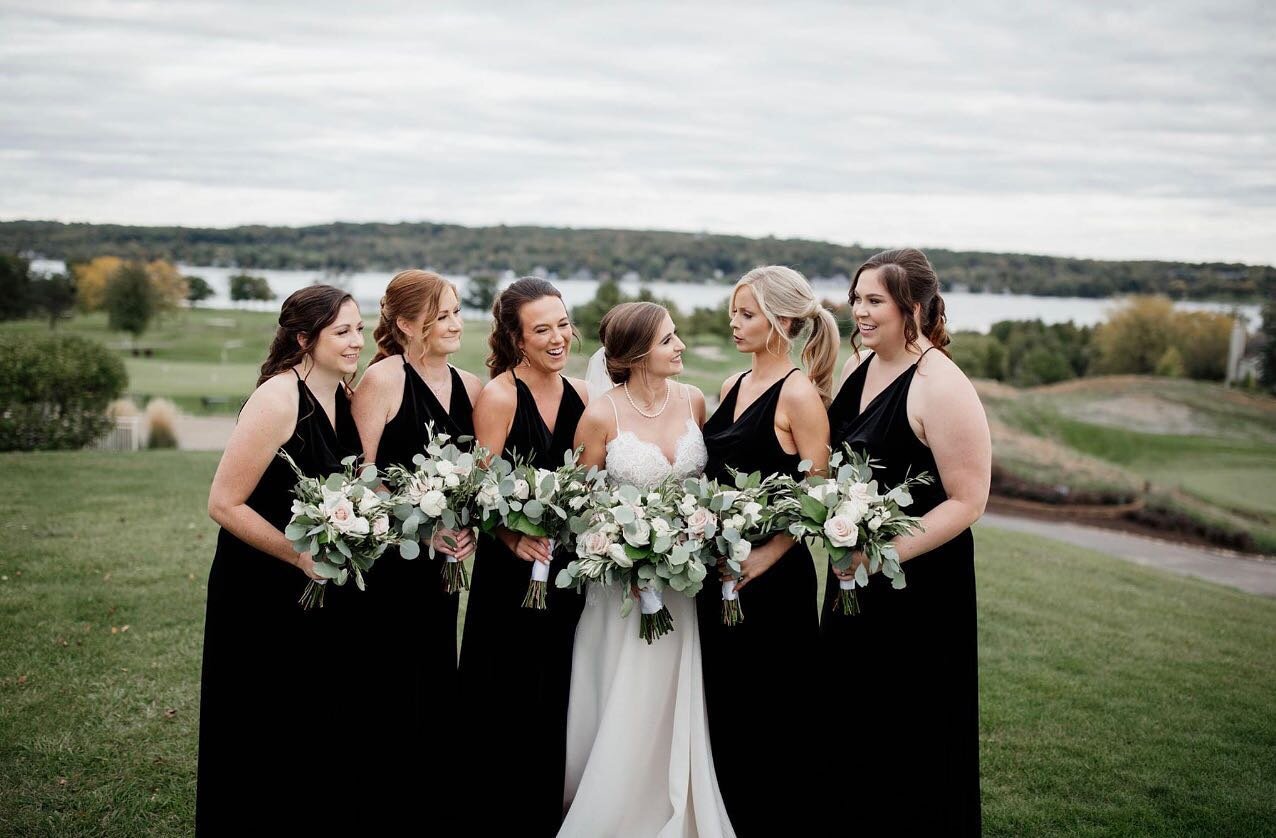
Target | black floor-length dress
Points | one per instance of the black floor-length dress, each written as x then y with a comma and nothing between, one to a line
758,674
913,649
515,669
275,677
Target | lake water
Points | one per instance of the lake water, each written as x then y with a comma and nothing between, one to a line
966,311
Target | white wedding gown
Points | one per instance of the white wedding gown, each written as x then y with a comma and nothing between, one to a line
638,758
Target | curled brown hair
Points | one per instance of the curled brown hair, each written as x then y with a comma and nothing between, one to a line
627,332
507,322
304,314
409,295
911,281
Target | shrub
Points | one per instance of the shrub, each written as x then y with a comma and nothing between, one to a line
54,391
161,424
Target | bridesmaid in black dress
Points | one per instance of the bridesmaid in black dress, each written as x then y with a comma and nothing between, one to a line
758,674
409,676
516,662
910,407
273,673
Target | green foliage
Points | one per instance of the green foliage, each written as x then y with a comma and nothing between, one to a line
694,257
131,300
54,391
587,316
1136,338
198,289
1267,352
480,293
245,287
53,296
15,286
979,356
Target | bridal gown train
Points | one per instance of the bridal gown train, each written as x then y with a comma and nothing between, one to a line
638,757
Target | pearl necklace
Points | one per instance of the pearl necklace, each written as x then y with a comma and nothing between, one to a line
642,412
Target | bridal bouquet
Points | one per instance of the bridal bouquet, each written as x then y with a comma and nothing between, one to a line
731,518
438,494
642,540
539,502
837,516
342,521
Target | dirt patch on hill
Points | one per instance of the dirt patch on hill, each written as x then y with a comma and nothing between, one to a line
1141,412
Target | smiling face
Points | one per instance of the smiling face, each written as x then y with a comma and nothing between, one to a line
339,344
547,333
877,315
445,334
749,327
664,358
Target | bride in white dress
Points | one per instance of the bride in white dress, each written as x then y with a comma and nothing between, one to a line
638,757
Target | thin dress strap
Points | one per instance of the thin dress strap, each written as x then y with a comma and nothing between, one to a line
923,355
686,389
615,412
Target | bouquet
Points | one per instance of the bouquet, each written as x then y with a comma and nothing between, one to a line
342,521
838,515
734,517
539,502
643,541
438,494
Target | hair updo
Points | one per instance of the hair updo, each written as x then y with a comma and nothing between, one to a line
627,332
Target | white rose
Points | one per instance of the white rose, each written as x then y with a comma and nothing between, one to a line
452,481
735,522
740,550
752,510
860,492
841,531
596,543
338,509
618,555
463,469
638,533
488,495
852,509
688,505
358,526
415,490
697,521
659,526
874,523
381,525
521,489
368,502
444,467
433,503
821,491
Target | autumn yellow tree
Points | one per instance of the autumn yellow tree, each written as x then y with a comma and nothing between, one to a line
170,286
91,278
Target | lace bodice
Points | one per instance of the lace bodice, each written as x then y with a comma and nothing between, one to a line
637,462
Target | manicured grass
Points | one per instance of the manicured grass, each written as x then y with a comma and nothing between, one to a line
1115,700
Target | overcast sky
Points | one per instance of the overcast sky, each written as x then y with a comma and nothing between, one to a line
1107,129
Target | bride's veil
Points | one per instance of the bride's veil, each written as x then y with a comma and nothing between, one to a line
597,381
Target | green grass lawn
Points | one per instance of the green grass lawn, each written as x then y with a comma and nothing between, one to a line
1116,700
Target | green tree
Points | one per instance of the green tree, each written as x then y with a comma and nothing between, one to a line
53,296
246,287
130,299
480,292
198,290
15,286
1171,364
1267,352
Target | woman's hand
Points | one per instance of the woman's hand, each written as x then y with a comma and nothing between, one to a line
529,548
760,560
857,558
307,566
462,539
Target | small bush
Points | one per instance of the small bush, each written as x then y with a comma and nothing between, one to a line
161,424
54,391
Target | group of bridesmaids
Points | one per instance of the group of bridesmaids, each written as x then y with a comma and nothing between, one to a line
358,715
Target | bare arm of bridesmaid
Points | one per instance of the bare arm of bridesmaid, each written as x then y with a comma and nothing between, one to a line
952,423
593,432
493,418
266,422
376,402
800,419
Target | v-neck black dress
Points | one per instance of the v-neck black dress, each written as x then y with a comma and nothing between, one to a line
915,649
409,678
273,674
516,662
758,674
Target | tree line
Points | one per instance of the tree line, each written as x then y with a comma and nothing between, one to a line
602,254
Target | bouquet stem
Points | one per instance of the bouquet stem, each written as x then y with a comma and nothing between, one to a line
847,602
312,596
455,577
656,621
536,588
732,613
